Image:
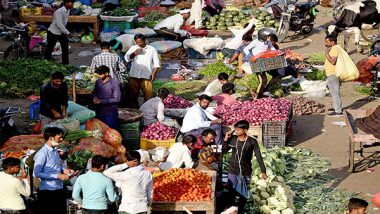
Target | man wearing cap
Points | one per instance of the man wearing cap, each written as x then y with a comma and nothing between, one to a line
170,27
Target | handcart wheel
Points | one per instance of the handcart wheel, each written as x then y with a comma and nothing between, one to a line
351,168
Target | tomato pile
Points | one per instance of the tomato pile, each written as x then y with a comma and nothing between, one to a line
182,185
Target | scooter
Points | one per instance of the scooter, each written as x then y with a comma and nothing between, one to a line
7,126
297,17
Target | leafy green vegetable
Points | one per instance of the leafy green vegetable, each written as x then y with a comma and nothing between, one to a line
365,90
316,58
119,12
154,16
129,4
315,75
22,77
212,70
185,89
79,159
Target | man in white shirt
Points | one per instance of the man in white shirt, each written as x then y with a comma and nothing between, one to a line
135,182
145,65
235,42
197,119
170,28
215,87
180,154
58,32
12,188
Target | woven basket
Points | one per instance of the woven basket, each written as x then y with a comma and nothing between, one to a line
127,115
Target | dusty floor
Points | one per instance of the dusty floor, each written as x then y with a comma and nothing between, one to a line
315,132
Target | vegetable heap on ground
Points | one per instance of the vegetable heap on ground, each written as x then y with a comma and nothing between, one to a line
296,60
305,173
159,131
185,89
255,112
88,81
265,19
305,106
154,16
212,70
316,74
226,19
316,59
22,77
172,101
182,185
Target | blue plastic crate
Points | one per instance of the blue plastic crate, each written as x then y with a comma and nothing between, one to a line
121,26
34,111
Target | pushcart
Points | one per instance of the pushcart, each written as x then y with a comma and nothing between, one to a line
358,141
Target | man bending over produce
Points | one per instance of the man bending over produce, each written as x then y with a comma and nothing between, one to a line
240,166
180,155
153,109
54,99
225,98
215,87
170,27
239,54
136,184
106,96
197,119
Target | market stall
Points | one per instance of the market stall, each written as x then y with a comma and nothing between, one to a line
72,19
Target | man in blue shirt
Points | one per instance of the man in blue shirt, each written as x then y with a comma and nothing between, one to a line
94,187
49,169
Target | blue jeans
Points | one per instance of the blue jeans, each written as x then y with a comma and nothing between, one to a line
112,119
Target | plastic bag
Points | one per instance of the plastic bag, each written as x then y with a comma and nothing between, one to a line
345,68
87,38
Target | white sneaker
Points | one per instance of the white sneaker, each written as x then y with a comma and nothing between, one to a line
268,94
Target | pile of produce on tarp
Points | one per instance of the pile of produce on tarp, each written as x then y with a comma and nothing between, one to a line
316,58
18,146
264,20
255,112
226,19
23,77
84,80
296,60
159,131
212,70
176,102
182,185
298,180
305,106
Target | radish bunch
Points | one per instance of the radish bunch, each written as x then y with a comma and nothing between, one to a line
172,101
159,131
255,112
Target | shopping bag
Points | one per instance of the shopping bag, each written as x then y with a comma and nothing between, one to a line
345,68
241,186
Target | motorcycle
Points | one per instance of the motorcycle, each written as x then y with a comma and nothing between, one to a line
7,126
297,17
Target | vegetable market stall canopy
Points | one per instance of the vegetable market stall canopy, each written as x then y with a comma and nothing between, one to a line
72,19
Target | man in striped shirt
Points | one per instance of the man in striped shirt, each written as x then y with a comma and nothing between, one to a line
111,60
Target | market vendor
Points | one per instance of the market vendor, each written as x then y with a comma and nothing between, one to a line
106,96
197,119
240,165
237,41
240,55
153,109
205,139
145,63
225,98
215,87
54,99
180,155
214,7
170,28
58,32
258,46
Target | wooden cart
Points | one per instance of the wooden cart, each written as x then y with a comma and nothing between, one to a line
206,206
357,138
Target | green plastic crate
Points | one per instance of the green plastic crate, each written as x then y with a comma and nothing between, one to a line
130,130
122,26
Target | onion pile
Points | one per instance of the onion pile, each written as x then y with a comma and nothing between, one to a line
255,112
172,101
159,131
304,106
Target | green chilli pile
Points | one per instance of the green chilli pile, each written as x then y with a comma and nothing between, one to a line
212,70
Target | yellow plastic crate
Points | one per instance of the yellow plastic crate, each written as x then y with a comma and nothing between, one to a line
151,144
36,11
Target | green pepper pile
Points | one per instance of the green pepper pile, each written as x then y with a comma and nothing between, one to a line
212,70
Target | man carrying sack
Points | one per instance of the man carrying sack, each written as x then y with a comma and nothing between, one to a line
338,67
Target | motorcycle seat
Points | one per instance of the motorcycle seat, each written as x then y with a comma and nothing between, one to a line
305,5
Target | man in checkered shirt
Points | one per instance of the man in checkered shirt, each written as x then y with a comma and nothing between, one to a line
111,60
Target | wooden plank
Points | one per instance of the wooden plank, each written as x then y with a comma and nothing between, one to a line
208,206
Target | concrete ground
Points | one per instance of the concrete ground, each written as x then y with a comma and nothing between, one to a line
315,132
